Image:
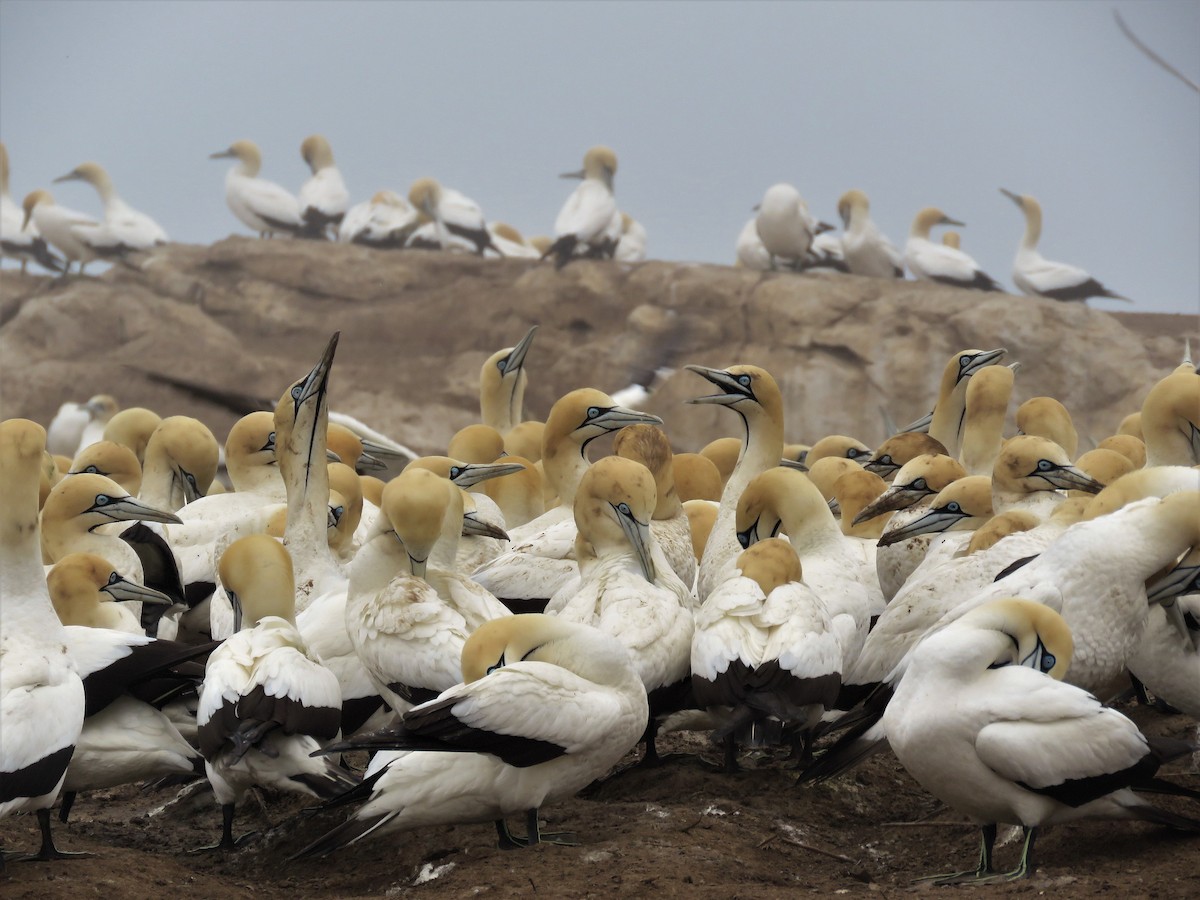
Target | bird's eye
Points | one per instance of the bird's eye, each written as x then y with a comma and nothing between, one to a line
455,471
103,500
964,361
623,509
886,460
953,507
744,380
744,539
920,485
500,363
498,664
852,453
191,479
92,470
1044,465
593,411
297,391
114,578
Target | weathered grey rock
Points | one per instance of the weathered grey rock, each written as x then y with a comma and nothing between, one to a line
251,316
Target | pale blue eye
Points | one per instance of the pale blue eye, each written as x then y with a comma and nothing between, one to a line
1048,662
623,508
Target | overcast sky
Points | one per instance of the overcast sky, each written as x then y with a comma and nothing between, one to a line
707,105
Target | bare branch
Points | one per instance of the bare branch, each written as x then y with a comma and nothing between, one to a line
1154,56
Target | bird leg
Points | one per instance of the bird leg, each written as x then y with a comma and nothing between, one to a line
981,873
64,811
1025,868
227,841
48,851
510,841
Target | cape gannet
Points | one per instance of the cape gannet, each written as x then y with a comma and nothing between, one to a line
749,252
453,216
263,206
323,198
18,238
180,464
585,220
950,409
41,693
696,477
866,250
754,395
132,428
1167,659
936,262
76,583
267,702
978,722
723,453
546,707
986,408
124,229
1039,277
631,247
66,430
785,225
476,443
764,646
60,227
502,383
385,221
510,243
1048,418
890,456
1132,448
1171,420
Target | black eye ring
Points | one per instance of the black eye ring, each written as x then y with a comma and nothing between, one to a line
1048,662
1044,465
964,361
593,411
953,507
920,485
744,380
455,471
623,508
114,578
103,500
297,391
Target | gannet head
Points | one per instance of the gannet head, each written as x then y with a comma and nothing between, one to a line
315,151
599,163
929,218
745,388
251,442
952,239
91,172
838,445
389,198
921,476
33,200
696,477
771,494
424,195
582,649
464,474
348,448
615,503
111,460
649,445
415,504
256,572
770,563
890,456
851,204
80,582
959,505
1025,203
855,491
1132,448
1103,464
244,151
476,443
1013,521
1046,417
584,414
22,448
510,360
825,472
96,501
966,363
506,231
1029,634
189,449
132,428
1029,463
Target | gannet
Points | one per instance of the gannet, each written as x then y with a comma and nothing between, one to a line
631,247
785,225
41,693
979,724
451,214
950,409
1171,420
986,408
696,477
890,456
540,556
854,491
764,646
181,462
103,407
65,432
952,239
825,252
323,198
702,515
546,707
124,229
749,251
386,221
267,702
265,207
1167,661
1132,448
838,445
1039,277
754,395
525,439
648,444
1048,418
724,454
132,427
476,443
19,239
76,582
936,262
502,382
623,591
1104,465
510,243
866,250
59,226
835,567
586,219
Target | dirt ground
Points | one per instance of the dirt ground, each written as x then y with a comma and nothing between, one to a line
680,830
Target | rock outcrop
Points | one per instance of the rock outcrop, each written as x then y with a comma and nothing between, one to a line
250,316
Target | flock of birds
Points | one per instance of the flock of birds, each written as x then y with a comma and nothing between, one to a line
782,234
501,625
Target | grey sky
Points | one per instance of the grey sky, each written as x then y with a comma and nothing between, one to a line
706,104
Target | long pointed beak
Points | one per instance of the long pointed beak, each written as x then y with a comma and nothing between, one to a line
834,507
639,536
823,227
1015,198
318,379
187,485
129,509
382,451
479,528
236,603
980,361
1070,478
581,174
70,176
419,566
516,356
222,154
618,417
921,425
369,463
793,464
732,392
896,497
472,473
1183,579
123,589
935,520
946,220
883,466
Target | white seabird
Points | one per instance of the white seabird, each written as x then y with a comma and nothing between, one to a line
323,198
866,250
19,239
59,226
452,219
937,262
586,219
387,221
124,229
785,225
262,205
1036,275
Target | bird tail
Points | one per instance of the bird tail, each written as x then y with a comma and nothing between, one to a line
1148,812
1112,295
343,835
45,258
328,782
561,250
